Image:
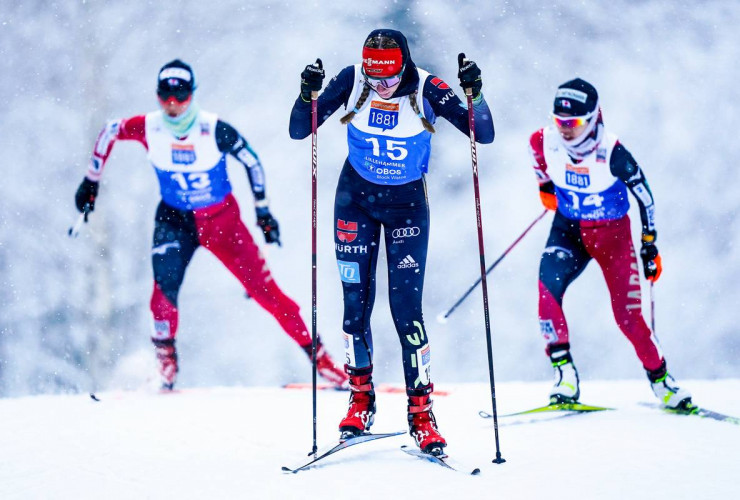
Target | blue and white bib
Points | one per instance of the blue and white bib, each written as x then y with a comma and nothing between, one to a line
191,171
387,141
586,190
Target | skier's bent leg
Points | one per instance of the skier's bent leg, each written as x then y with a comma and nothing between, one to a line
173,246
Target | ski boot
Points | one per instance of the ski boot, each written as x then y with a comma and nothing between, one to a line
326,367
665,388
167,359
565,389
422,424
361,412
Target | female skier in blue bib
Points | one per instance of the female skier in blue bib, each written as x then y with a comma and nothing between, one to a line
393,106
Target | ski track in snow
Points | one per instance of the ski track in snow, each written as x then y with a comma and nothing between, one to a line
231,443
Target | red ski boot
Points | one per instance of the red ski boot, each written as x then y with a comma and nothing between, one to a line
167,360
422,425
361,413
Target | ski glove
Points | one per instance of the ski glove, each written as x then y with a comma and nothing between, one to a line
651,262
548,197
469,75
269,226
86,194
312,78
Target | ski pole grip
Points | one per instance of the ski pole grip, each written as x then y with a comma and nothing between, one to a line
460,60
320,65
460,64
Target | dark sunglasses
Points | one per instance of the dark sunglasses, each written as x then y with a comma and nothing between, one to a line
180,94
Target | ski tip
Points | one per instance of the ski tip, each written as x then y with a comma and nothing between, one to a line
286,469
94,397
475,472
442,318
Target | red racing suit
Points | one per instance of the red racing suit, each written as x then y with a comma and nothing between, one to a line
591,222
198,209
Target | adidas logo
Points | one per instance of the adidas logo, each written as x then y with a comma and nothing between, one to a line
407,263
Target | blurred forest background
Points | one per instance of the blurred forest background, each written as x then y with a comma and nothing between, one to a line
74,313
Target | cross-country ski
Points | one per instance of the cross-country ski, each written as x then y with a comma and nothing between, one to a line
698,411
363,438
443,459
552,407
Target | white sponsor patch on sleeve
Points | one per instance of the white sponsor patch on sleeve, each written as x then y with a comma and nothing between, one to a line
643,194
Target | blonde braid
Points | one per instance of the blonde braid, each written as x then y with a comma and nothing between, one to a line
415,106
363,97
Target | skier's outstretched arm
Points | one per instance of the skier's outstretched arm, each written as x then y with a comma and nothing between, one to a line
335,94
128,129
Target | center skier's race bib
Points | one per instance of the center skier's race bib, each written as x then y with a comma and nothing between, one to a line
387,141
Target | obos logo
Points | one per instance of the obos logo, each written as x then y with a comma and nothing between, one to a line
346,231
406,232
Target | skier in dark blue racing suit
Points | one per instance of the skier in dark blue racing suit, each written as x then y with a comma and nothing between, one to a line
393,106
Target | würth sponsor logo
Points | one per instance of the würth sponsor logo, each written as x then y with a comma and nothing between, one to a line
408,262
346,231
350,248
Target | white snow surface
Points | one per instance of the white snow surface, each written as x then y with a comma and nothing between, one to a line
231,443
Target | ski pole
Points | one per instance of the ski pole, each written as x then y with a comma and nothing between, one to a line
74,231
484,285
652,308
314,172
442,318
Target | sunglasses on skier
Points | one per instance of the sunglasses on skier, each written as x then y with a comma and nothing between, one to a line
571,121
387,83
180,94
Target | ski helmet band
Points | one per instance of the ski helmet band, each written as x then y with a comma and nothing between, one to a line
179,73
381,63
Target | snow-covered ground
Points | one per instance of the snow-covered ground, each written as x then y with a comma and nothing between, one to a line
231,443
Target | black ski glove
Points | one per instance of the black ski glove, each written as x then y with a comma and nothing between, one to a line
86,194
652,264
269,226
469,75
312,78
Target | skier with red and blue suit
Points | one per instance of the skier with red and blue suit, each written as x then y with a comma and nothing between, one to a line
382,191
187,148
585,174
